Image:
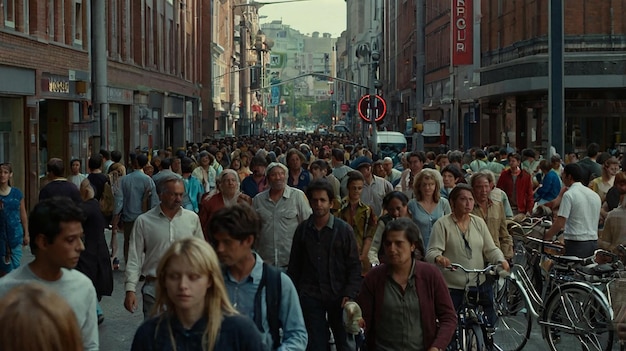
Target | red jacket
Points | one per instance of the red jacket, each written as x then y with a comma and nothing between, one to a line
434,300
523,186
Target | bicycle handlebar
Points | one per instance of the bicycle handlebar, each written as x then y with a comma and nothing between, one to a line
491,269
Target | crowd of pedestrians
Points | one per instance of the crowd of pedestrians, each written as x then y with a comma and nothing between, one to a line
255,244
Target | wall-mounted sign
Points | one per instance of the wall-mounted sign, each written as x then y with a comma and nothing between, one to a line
462,32
55,84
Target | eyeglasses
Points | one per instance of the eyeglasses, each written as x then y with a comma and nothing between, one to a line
468,249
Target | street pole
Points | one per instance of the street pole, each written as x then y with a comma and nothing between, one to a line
376,28
418,139
375,56
244,79
99,73
556,89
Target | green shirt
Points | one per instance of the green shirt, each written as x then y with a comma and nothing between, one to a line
400,327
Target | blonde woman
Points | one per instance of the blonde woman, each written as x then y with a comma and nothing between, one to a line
35,318
428,205
194,312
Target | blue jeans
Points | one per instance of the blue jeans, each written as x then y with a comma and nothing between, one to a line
485,300
315,312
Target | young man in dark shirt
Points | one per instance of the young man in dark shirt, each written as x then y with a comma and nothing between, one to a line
325,268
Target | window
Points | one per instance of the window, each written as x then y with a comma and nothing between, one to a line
51,19
78,22
170,46
148,37
9,13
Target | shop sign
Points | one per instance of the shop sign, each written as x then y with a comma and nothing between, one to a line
462,32
55,84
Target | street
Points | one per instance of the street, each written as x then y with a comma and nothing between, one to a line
119,326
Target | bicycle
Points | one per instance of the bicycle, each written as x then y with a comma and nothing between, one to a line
569,310
474,331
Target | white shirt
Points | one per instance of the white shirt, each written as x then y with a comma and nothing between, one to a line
580,207
153,233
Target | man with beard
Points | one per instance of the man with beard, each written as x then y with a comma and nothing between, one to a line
152,234
282,208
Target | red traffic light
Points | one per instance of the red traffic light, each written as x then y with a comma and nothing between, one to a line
364,106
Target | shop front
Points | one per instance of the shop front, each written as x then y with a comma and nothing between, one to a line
120,106
16,139
66,125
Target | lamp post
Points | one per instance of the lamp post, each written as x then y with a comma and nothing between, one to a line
373,54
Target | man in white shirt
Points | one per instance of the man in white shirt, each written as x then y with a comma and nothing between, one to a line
152,234
56,240
578,215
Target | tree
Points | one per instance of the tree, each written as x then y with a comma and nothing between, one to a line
322,112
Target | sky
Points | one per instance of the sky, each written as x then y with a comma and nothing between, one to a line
324,16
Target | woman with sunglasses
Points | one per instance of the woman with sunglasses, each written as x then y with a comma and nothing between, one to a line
463,238
13,222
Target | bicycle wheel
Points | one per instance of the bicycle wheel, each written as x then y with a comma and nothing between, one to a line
473,338
575,319
512,329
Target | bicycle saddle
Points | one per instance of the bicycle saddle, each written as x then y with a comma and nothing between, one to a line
567,259
600,269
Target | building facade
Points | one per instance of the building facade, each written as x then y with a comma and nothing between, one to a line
152,67
497,91
294,60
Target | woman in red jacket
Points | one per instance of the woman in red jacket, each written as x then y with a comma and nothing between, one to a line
404,288
518,186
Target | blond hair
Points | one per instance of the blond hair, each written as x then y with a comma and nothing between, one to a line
35,318
86,190
201,257
424,175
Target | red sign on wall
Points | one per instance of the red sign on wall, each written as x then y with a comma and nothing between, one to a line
462,32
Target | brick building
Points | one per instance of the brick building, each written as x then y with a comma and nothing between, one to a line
501,95
156,68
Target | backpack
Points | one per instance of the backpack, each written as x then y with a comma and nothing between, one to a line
271,281
107,202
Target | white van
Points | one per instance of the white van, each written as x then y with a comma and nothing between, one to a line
390,144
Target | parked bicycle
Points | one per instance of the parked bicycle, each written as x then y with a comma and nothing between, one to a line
570,310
